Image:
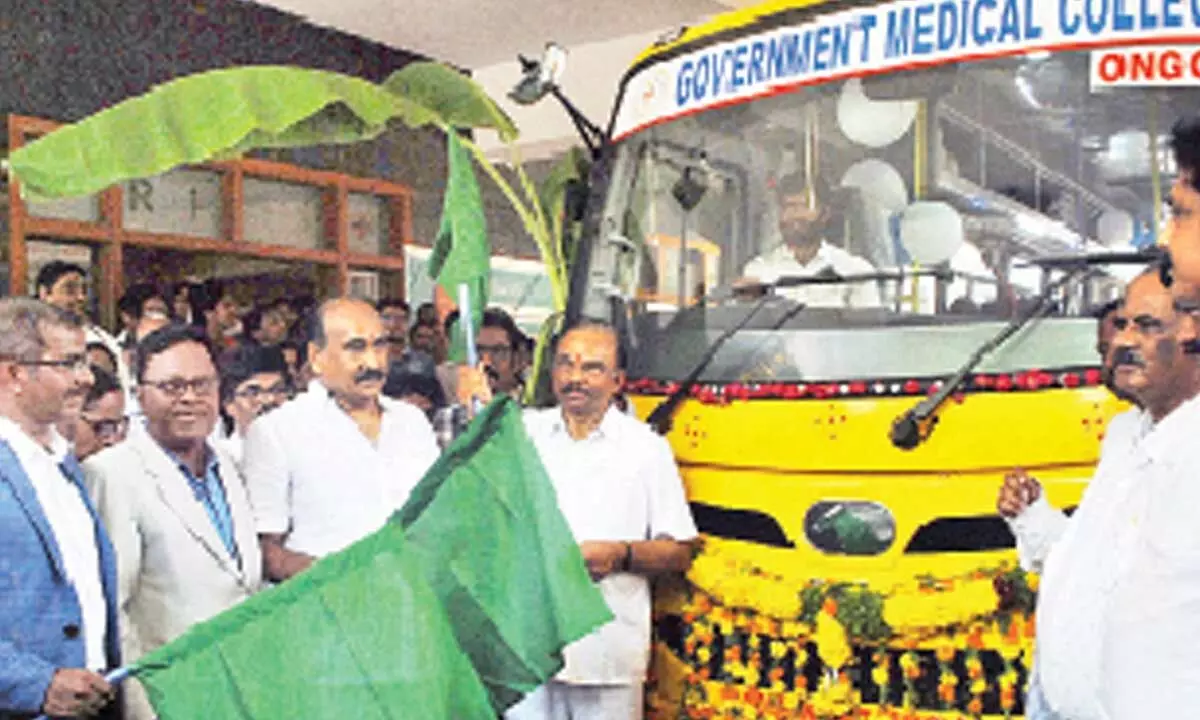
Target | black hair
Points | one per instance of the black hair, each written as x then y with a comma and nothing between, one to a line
244,362
252,321
1102,311
54,271
797,184
204,297
497,318
386,303
134,299
164,339
414,373
1185,145
299,346
493,317
101,346
412,332
103,383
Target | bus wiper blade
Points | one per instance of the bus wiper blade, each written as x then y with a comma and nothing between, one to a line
663,414
832,277
661,417
915,426
1145,256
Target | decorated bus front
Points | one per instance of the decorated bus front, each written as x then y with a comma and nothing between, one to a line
819,214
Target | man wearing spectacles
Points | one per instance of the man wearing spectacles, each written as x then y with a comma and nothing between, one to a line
501,360
176,505
253,382
103,422
58,597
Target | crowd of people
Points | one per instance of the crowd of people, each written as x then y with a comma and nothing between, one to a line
152,478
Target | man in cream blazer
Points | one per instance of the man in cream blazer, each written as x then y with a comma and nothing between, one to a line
181,524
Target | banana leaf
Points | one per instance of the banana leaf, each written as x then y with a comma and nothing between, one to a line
210,115
454,99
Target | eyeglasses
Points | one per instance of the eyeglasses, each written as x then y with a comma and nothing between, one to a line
178,387
254,392
107,429
72,363
500,352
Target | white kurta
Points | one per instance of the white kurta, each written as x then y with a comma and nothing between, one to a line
781,262
1119,606
619,484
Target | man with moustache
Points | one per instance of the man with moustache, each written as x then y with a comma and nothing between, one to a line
805,213
621,494
1035,524
175,504
58,604
1119,605
331,466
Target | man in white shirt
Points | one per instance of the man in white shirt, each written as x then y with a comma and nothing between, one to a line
804,216
331,466
58,625
175,506
1120,593
621,494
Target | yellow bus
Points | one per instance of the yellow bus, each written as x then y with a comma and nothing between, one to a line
853,562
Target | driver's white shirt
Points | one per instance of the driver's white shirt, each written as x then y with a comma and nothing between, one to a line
781,262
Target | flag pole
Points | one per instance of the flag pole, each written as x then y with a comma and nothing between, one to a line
465,319
464,313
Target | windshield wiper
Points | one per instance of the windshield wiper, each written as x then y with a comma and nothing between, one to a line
663,414
915,426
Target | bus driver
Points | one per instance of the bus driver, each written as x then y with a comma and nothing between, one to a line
804,217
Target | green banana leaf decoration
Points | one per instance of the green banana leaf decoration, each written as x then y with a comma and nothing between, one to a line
211,115
223,113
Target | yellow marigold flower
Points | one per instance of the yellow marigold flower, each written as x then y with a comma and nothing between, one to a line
832,644
1032,581
791,700
979,686
703,655
1008,679
880,675
948,679
1009,651
778,649
974,667
946,650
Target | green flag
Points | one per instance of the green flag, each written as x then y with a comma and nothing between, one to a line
461,253
453,610
500,555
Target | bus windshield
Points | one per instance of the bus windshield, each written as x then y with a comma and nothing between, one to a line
973,170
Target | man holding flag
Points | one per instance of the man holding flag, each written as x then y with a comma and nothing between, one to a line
619,489
330,467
